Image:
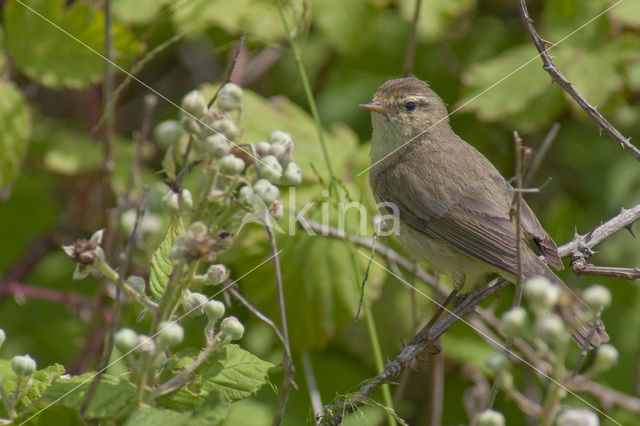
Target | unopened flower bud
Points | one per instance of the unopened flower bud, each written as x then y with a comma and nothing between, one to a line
214,310
230,97
137,283
193,303
176,203
217,274
551,329
606,357
540,294
232,328
3,337
277,210
168,133
145,345
497,361
270,168
125,339
231,165
491,418
194,103
267,191
262,148
577,417
597,297
226,127
23,365
246,195
170,333
279,136
514,322
198,228
192,126
292,174
217,145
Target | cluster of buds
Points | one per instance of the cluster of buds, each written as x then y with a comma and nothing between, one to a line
197,243
196,304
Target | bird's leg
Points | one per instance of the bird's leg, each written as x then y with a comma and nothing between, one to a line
423,335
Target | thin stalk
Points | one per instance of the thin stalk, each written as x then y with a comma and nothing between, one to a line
371,327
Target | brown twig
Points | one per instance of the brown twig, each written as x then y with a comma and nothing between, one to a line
542,151
22,291
560,78
410,55
230,68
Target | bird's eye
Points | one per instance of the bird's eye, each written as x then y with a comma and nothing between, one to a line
410,106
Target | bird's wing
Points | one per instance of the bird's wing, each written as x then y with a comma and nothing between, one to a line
534,229
469,221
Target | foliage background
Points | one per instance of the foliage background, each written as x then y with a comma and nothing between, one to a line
50,100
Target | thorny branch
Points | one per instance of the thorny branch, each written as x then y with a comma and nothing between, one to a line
560,78
335,412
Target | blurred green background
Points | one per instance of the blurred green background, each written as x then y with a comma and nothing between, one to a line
51,99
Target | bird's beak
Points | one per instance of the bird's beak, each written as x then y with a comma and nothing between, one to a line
375,107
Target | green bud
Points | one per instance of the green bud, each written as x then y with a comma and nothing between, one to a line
606,357
551,329
292,174
169,133
491,418
279,136
145,345
217,146
170,333
193,303
577,417
231,165
262,148
23,365
267,191
514,322
137,283
232,328
497,361
277,210
597,297
246,195
226,127
3,337
194,103
217,274
125,339
198,228
192,126
270,168
540,294
214,310
230,97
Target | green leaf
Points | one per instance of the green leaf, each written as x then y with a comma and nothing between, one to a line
259,18
627,12
210,411
560,18
231,374
46,415
593,73
137,12
41,380
41,41
113,399
338,28
262,116
15,127
437,17
512,95
161,266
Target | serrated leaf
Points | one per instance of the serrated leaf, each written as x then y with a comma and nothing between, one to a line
510,96
137,12
259,18
593,73
627,12
210,411
231,374
161,266
436,18
15,127
41,380
40,39
114,397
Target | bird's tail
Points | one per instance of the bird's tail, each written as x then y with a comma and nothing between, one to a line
587,331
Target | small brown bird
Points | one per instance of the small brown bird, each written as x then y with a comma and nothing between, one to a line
454,206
